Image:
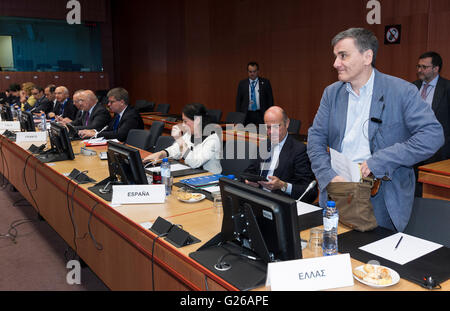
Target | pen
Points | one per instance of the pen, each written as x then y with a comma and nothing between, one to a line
398,243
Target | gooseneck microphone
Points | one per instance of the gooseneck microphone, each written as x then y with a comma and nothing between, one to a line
310,186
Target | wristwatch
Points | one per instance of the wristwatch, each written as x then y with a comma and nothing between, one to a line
284,187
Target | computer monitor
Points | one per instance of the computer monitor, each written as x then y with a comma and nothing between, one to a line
125,165
61,147
260,221
6,113
258,227
27,122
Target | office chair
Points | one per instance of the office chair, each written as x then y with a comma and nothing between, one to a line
215,115
163,142
139,138
144,106
164,108
237,156
235,117
155,132
294,126
430,219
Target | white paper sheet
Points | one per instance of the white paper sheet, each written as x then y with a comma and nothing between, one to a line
305,208
173,168
410,248
344,167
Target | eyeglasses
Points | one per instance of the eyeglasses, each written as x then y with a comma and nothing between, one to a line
423,67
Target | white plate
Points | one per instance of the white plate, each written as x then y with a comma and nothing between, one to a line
192,200
394,275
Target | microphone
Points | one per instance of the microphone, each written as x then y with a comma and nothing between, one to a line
106,126
376,120
310,186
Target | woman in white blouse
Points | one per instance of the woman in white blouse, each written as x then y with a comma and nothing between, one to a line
190,144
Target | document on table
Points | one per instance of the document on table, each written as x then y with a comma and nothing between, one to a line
409,248
173,167
344,167
305,208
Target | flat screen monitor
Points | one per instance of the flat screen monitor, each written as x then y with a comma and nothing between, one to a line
125,165
61,148
260,221
6,114
27,122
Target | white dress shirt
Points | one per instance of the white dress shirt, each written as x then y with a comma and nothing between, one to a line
430,90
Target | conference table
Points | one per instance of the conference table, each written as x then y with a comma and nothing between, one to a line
114,241
436,180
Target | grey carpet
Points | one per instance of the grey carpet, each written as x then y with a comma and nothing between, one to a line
38,258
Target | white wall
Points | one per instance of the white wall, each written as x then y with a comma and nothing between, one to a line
6,52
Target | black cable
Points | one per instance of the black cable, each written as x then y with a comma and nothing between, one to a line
26,183
98,246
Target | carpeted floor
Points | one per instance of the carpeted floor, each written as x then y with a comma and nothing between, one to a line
37,260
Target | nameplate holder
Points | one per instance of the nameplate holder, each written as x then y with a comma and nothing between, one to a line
310,274
10,126
22,137
138,194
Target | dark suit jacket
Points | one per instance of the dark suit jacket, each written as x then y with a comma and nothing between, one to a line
131,119
42,104
97,120
70,111
441,108
294,167
265,95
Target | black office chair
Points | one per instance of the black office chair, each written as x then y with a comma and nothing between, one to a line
215,115
139,138
163,108
430,219
155,132
237,156
163,142
235,117
144,106
294,126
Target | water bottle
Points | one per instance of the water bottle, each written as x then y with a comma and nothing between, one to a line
165,175
330,224
43,126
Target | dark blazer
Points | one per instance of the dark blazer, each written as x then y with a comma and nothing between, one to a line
265,95
441,108
294,167
131,119
42,104
99,117
70,111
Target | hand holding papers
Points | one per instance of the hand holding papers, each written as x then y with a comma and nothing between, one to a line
344,167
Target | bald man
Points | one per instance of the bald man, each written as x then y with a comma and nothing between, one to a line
288,170
93,115
64,106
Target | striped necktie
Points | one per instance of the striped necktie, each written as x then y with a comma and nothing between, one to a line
424,91
253,95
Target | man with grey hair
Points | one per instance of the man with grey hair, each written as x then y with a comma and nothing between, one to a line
93,115
64,106
377,121
125,118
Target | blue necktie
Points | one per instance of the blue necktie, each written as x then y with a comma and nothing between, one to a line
253,95
116,123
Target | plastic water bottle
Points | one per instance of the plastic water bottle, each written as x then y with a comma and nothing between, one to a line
330,224
165,175
43,126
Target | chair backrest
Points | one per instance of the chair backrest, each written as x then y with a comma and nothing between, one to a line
215,115
139,138
294,126
144,106
155,131
235,117
164,108
163,142
237,156
430,219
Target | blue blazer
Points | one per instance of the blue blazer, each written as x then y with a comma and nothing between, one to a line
406,133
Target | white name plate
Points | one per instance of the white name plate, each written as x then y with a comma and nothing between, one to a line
10,125
310,274
138,194
31,136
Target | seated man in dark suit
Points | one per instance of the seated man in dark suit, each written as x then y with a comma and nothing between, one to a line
42,104
64,107
288,169
125,118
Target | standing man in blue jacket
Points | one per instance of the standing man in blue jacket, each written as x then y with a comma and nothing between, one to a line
376,120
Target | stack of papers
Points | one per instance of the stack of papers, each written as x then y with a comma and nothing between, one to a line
98,141
344,167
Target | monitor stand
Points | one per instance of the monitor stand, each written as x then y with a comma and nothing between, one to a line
52,156
104,188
